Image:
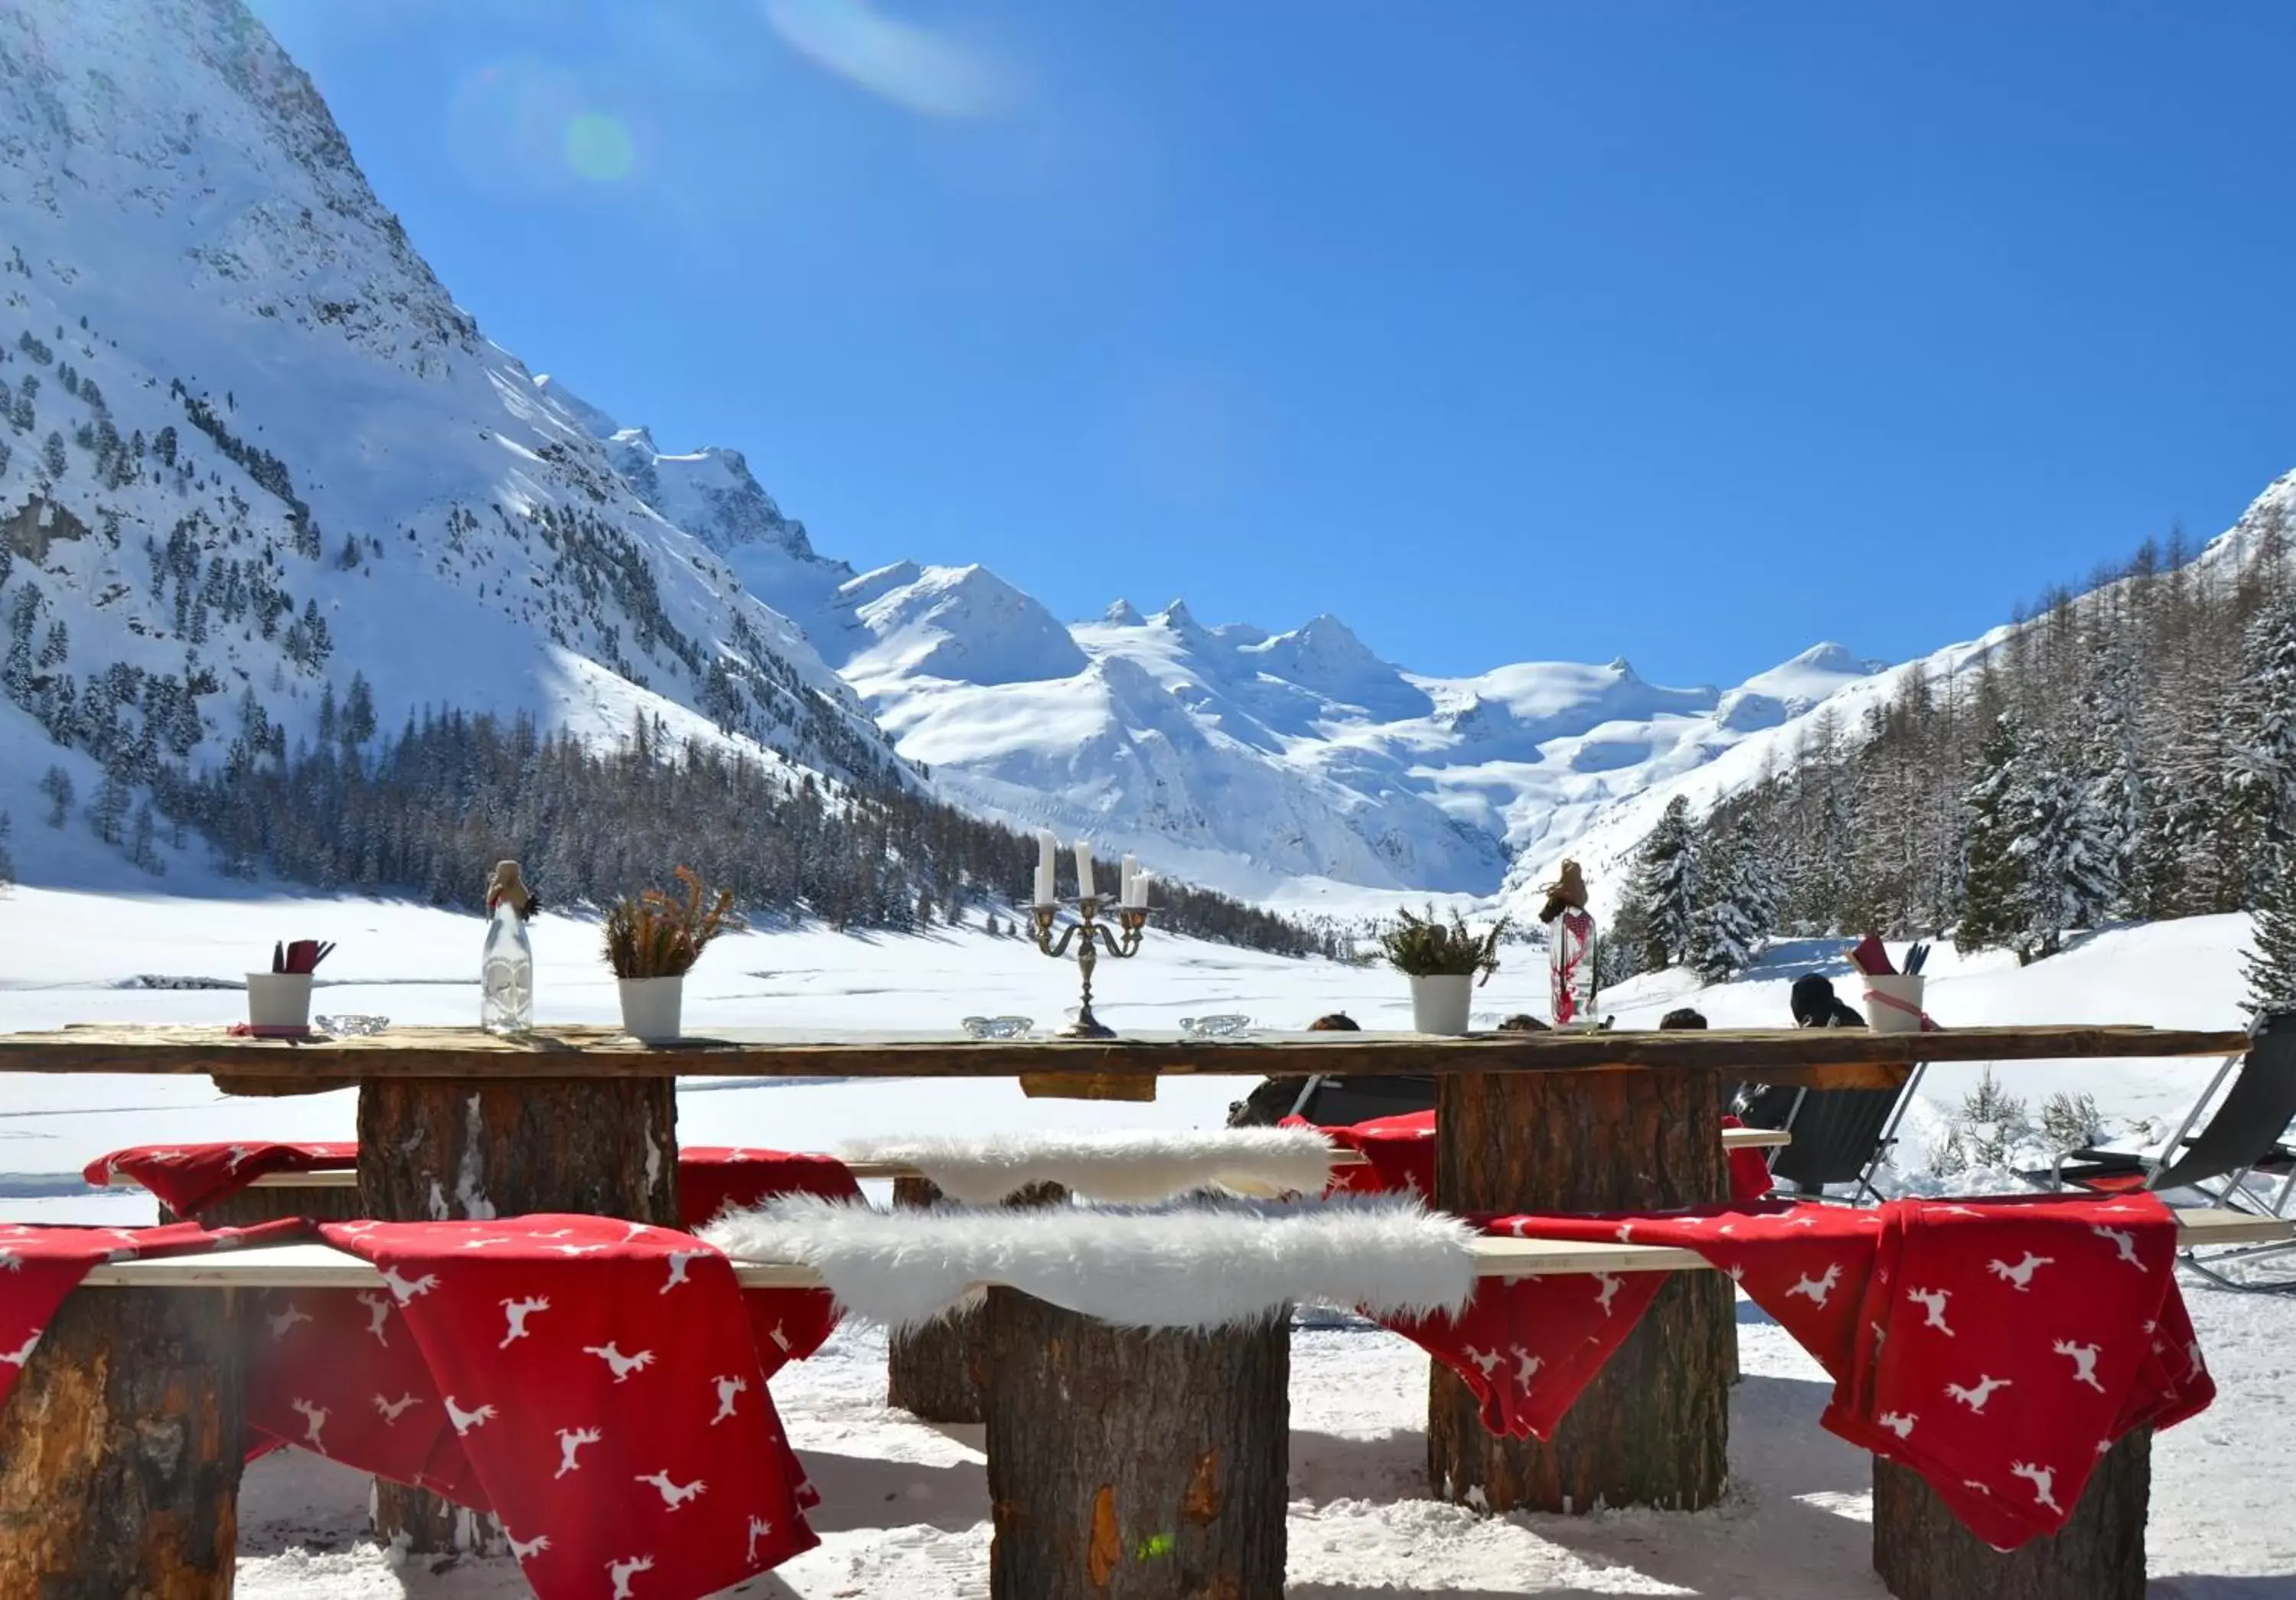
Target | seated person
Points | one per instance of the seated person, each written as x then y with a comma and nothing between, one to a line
1815,1006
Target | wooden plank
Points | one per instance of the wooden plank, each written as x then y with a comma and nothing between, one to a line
1824,1057
323,1266
346,1177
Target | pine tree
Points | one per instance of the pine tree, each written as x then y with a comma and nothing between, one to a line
56,789
1996,874
107,813
2113,751
51,456
2260,720
1659,911
2062,847
7,862
2271,968
1726,927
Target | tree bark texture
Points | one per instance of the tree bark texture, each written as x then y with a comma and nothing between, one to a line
1653,1428
119,1451
1922,1553
337,1202
434,1151
1130,1464
936,1373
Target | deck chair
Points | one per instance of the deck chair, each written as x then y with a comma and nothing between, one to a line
2243,1140
1840,1136
1334,1102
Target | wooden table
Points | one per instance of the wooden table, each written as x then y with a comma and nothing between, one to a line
456,1122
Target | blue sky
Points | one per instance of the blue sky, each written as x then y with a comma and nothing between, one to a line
1502,329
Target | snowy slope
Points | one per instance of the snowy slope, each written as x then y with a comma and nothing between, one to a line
906,1507
1603,839
252,445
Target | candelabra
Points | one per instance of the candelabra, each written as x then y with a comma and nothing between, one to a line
1132,920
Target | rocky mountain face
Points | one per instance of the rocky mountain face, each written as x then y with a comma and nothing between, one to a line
251,450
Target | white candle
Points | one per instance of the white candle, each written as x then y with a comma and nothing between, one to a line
1128,883
1140,891
1084,870
1047,854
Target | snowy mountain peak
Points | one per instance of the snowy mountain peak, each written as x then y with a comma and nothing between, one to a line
1123,613
710,493
963,625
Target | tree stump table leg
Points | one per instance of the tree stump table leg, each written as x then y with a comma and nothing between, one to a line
1653,1428
119,1451
432,1151
1132,1464
936,1373
1922,1553
333,1202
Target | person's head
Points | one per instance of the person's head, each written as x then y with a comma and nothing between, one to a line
1338,1021
1684,1018
1812,1002
1522,1021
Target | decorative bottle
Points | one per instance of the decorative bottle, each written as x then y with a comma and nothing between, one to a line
507,966
1570,947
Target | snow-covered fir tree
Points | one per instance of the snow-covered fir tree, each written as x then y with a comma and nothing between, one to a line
2112,748
1655,920
1732,916
2271,966
2261,718
1992,889
2064,851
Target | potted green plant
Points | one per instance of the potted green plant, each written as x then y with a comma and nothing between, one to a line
1443,961
652,940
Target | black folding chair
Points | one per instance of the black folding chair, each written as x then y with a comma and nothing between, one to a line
1330,1102
1840,1136
2241,1141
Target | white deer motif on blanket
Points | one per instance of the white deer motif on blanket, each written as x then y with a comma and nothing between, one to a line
515,1312
1815,1289
390,1410
679,1260
2122,1241
282,1322
2084,1360
571,1442
378,1312
1976,1397
673,1493
2042,1478
405,1290
315,1418
2021,1275
22,1353
1611,1283
622,1571
760,1528
622,1366
1932,1302
464,1420
728,1391
526,1549
1899,1423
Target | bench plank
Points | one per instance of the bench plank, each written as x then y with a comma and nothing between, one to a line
314,1265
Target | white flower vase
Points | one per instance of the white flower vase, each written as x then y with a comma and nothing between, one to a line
1440,1001
279,1001
651,1008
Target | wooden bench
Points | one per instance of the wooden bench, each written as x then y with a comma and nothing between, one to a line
1190,1423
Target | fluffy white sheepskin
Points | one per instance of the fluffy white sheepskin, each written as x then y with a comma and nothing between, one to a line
1116,1165
1193,1267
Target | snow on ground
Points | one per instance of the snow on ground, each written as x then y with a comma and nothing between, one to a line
905,1505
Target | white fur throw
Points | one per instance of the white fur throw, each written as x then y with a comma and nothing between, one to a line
1116,1165
1193,1267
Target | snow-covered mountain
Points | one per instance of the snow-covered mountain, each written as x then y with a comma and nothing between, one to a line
251,448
